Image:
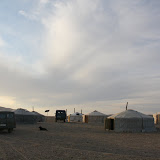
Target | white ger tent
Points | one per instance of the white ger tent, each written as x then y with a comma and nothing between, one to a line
94,117
130,121
75,117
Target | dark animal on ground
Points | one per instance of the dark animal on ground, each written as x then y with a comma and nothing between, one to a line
42,129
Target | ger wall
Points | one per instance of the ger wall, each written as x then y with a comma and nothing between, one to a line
77,118
25,119
148,124
94,119
29,119
134,125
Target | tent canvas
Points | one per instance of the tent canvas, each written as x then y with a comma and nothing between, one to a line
24,116
21,111
94,117
130,121
96,113
39,117
75,117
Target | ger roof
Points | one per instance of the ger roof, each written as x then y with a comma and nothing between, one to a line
76,114
36,113
23,112
6,109
129,114
96,113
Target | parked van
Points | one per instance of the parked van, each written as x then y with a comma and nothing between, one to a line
7,121
60,115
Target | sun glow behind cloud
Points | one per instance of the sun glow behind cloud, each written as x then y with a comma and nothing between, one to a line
7,101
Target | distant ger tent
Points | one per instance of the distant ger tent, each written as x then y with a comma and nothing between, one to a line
156,117
94,117
130,121
24,116
75,117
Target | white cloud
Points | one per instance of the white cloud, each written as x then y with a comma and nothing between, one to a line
99,36
22,13
7,101
89,52
32,16
44,1
2,43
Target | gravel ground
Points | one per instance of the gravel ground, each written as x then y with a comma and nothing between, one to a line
77,141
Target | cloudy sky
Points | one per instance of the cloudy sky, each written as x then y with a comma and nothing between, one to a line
83,54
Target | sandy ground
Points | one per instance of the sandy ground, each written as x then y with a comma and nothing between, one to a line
76,141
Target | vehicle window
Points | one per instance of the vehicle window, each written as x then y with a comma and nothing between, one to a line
60,112
2,116
10,115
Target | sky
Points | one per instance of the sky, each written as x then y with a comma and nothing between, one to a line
82,54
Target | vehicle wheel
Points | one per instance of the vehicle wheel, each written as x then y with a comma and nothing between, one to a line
64,120
10,130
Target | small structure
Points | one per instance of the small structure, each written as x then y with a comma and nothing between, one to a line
94,117
156,117
130,121
75,117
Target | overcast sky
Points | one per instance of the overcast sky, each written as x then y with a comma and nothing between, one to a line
83,54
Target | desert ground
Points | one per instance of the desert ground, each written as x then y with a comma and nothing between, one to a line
76,141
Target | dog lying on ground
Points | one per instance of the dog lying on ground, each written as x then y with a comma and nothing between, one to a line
42,129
